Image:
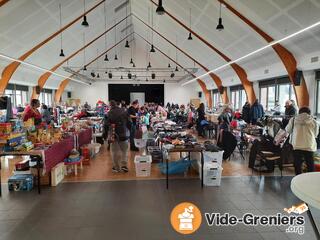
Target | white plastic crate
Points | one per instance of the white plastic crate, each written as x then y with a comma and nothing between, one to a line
143,165
213,157
212,174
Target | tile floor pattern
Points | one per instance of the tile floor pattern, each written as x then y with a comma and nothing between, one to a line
140,210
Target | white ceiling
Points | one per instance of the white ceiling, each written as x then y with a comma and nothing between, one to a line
25,23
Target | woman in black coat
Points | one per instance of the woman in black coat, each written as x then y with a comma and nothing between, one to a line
201,116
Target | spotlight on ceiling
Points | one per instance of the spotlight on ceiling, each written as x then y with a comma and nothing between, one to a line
110,75
93,74
160,10
61,53
153,75
121,77
127,44
220,26
106,72
85,22
84,68
172,75
133,65
116,57
98,75
169,66
131,61
152,48
164,81
190,36
129,75
176,69
149,65
106,58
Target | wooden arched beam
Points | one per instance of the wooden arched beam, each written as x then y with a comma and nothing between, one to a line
64,82
247,85
284,54
44,77
12,67
2,2
203,86
214,77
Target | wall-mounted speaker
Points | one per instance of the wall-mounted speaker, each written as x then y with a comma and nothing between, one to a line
38,90
69,94
153,75
129,75
110,75
297,78
200,94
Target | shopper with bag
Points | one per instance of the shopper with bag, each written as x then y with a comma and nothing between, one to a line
118,124
303,129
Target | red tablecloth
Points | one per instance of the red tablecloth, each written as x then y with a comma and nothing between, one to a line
84,137
57,152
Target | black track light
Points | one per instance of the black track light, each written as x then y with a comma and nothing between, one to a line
131,61
106,72
169,66
93,74
85,68
176,69
220,27
152,48
121,77
133,65
110,75
98,76
190,36
106,58
85,22
129,75
164,81
153,75
160,10
61,53
172,75
149,65
115,57
127,44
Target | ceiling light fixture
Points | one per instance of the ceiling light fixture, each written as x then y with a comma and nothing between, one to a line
84,53
160,10
84,22
92,74
176,54
254,52
190,35
98,76
176,69
169,66
220,26
131,61
149,65
172,75
127,42
115,57
152,47
133,65
121,77
115,40
61,49
85,68
105,28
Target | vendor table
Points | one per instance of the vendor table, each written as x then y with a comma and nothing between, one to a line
30,153
305,186
186,150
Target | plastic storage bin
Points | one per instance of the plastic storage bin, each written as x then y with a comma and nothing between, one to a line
213,157
21,182
143,165
212,174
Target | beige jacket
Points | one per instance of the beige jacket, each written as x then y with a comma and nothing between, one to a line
303,130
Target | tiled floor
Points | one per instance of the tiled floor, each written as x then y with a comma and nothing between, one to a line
141,209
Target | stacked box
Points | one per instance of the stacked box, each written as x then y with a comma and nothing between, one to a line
212,168
156,154
143,165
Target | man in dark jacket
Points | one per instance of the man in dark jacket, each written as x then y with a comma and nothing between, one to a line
289,112
246,112
118,124
256,112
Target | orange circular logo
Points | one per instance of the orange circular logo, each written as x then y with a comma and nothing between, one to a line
186,218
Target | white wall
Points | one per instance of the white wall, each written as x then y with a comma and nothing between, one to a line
90,94
174,92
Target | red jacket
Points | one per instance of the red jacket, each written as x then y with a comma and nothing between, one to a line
31,113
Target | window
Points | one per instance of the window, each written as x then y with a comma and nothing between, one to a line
46,97
274,90
18,94
216,98
238,97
